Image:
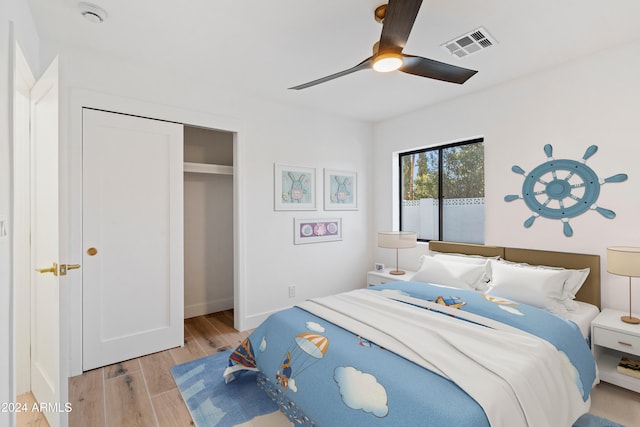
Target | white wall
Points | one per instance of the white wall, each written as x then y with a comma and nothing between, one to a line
271,133
313,140
593,101
15,18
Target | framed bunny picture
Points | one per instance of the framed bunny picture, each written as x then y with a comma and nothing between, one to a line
340,190
294,188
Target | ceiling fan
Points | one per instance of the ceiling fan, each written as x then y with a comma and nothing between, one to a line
397,19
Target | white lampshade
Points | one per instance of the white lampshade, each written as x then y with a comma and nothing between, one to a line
397,239
623,261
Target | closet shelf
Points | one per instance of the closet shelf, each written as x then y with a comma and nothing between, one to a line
208,168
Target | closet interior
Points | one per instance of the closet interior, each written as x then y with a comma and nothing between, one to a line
208,221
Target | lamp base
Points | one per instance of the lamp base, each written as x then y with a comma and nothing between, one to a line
630,319
397,272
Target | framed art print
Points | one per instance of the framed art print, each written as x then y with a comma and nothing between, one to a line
317,230
340,190
294,188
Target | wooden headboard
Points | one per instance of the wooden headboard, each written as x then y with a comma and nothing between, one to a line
590,291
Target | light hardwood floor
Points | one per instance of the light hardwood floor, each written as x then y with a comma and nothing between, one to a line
141,392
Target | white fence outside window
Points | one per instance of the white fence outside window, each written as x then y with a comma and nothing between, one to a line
463,219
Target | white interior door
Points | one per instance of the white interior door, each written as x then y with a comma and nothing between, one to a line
47,383
133,275
22,269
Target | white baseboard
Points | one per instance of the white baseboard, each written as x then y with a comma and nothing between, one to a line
253,321
250,322
200,309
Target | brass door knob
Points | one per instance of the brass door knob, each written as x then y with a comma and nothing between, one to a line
53,269
92,251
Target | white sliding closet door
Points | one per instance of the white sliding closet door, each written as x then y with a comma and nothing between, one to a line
133,274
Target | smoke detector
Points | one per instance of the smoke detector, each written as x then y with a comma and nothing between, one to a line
472,42
92,13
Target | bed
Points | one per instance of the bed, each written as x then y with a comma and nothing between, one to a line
437,354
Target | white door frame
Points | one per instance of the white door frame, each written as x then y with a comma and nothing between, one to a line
80,98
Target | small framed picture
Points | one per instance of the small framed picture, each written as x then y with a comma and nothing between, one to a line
379,266
294,188
340,190
317,230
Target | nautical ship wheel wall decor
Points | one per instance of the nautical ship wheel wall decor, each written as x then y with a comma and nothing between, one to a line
562,189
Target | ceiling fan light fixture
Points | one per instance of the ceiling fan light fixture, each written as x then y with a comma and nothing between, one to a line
386,62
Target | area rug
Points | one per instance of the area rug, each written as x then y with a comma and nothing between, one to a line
212,403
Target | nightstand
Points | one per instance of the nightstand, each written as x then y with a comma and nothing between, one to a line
383,276
611,339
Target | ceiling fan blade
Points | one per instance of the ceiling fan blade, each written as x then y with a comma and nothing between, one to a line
432,69
361,66
397,24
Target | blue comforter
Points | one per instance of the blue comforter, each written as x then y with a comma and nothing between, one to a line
323,375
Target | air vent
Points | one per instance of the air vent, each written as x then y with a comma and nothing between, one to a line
469,43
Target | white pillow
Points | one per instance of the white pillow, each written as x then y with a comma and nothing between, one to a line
450,273
471,259
572,285
574,282
539,287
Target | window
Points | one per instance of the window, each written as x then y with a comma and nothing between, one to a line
442,192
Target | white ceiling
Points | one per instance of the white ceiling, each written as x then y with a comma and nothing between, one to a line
265,47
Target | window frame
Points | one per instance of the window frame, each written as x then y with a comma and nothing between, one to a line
439,149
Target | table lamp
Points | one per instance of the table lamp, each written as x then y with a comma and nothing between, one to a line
397,240
625,261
